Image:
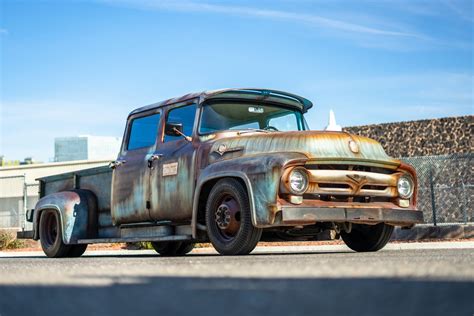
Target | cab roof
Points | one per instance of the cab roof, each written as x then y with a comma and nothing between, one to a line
249,94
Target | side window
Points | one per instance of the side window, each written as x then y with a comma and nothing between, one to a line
143,131
184,115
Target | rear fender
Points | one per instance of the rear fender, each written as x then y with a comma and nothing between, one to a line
77,211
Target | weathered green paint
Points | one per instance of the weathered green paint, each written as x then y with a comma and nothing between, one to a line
172,196
77,210
130,188
261,175
314,144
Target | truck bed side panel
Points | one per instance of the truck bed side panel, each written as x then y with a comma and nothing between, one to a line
98,181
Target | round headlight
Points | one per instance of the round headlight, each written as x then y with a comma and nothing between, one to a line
405,187
298,181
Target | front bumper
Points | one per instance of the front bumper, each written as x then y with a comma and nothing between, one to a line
304,215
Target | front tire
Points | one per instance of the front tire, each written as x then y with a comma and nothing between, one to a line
367,238
228,219
50,232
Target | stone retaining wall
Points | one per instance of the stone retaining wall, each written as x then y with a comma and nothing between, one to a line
442,136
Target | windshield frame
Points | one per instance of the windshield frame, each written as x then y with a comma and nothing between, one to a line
299,116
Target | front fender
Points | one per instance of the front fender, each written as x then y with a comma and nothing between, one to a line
261,175
404,167
77,211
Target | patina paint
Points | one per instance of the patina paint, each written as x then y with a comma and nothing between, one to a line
132,208
261,175
77,210
172,195
130,188
314,144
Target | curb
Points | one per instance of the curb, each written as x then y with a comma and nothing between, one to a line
421,232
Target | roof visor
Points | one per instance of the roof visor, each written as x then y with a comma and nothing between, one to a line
250,94
259,95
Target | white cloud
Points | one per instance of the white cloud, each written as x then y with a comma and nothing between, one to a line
464,12
310,19
3,31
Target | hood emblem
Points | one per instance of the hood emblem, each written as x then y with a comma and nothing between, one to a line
353,146
222,149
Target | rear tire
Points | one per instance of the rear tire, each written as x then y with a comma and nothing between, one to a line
172,248
50,232
76,250
186,247
366,238
228,219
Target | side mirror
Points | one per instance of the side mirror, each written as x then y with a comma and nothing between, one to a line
174,129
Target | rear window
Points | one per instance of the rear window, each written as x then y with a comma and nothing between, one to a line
143,131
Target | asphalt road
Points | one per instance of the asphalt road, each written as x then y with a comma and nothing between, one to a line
412,279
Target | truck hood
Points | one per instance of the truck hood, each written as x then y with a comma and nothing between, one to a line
316,145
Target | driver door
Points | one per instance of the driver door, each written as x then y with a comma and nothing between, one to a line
173,174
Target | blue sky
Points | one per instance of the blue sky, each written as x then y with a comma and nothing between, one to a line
78,67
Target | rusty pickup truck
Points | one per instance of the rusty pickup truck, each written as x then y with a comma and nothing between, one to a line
232,167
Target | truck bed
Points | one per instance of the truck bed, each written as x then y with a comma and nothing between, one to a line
98,180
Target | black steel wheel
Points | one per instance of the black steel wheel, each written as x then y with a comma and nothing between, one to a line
50,232
366,238
172,248
228,219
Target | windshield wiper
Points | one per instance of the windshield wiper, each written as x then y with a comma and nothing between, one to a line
251,130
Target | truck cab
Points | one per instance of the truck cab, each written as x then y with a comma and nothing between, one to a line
232,167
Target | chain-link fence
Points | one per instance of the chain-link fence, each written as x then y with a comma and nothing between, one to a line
16,196
445,188
445,192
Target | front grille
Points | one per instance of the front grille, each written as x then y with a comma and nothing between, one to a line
354,182
350,168
334,185
374,187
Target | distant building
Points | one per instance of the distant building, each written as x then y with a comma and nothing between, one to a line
86,148
5,162
27,161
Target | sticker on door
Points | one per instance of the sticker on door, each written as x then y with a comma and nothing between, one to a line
170,169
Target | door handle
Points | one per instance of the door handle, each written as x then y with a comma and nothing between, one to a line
116,163
153,158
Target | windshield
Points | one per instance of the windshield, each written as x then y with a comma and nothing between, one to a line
241,116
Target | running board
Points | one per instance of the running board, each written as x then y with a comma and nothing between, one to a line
134,239
145,224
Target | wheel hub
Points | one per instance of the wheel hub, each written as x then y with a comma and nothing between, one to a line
223,216
227,217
